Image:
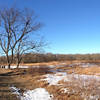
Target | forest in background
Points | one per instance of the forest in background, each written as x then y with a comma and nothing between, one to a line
47,57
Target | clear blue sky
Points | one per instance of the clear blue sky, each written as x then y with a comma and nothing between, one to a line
71,26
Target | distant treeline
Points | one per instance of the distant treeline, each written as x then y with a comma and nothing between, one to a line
36,57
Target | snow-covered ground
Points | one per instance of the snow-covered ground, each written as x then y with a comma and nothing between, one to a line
59,65
83,82
83,64
36,94
53,79
88,65
79,81
13,67
89,84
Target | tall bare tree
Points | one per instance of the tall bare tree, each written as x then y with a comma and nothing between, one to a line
16,27
26,47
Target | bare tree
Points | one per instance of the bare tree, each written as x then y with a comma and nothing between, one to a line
16,27
26,47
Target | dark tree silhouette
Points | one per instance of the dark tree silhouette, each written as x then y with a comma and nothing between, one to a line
16,28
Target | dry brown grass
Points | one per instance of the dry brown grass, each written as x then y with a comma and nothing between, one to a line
87,71
46,63
2,71
30,79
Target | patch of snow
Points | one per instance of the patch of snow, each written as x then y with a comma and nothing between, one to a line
53,79
37,66
15,90
83,64
36,94
88,65
13,67
51,66
95,97
65,90
86,77
91,97
64,63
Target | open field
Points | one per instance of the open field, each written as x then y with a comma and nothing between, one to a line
61,81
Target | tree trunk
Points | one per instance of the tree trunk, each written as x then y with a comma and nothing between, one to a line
19,58
12,56
8,62
18,65
9,66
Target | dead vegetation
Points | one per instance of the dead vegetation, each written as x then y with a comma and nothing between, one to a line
29,79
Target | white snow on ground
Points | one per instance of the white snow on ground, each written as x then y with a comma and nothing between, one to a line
84,65
95,97
85,77
36,94
65,90
60,65
53,79
15,90
13,67
88,65
51,66
81,81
